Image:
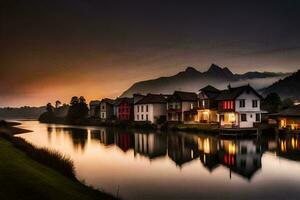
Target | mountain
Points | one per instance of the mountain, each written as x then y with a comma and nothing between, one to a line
192,80
288,87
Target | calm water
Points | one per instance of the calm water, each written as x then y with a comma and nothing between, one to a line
138,165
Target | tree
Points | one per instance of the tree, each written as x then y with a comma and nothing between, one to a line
57,104
82,99
74,100
78,110
287,103
49,108
272,103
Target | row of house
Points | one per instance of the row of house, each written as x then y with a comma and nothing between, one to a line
234,107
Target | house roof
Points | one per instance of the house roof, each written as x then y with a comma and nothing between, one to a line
289,112
118,101
209,88
95,102
183,96
210,91
233,93
152,99
109,101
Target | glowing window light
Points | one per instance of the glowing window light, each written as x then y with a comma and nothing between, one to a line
206,146
231,148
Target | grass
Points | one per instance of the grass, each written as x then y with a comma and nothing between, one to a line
24,178
50,158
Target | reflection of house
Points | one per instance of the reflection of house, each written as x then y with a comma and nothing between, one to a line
208,147
106,109
239,107
150,108
124,108
289,147
150,145
289,119
181,106
107,136
207,105
242,156
124,140
182,149
95,109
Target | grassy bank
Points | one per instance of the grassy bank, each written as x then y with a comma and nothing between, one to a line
24,178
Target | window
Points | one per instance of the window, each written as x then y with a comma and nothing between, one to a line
244,150
142,108
137,117
242,103
138,108
254,103
146,108
142,117
146,117
257,117
192,106
227,105
243,117
103,107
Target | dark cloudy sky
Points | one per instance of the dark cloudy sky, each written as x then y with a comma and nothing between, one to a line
56,49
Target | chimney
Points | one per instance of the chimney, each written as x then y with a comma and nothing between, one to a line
229,86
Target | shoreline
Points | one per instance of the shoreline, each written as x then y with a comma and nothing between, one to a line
51,160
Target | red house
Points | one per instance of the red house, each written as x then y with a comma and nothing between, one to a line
125,109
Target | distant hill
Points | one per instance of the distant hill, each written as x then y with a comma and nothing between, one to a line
288,87
25,112
193,80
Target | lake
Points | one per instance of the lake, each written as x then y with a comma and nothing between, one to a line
176,165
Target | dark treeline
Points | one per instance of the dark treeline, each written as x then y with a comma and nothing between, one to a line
75,112
25,112
273,103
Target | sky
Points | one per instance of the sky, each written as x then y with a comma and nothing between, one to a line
55,49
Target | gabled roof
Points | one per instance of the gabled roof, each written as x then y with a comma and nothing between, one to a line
109,101
118,101
94,102
289,112
210,91
152,99
233,93
183,96
209,88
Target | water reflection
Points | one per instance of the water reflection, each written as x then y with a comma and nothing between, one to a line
240,156
176,165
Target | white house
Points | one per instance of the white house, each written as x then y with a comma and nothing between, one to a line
150,108
239,107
